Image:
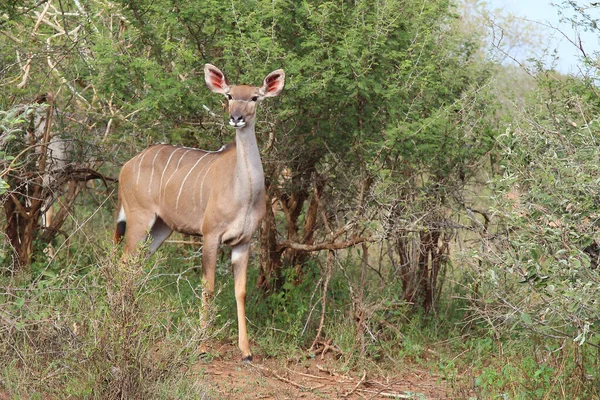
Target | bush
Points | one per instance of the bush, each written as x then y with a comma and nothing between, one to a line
536,274
105,331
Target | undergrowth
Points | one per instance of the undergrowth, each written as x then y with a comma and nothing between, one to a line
101,331
108,329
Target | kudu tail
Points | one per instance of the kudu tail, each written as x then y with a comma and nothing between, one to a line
121,225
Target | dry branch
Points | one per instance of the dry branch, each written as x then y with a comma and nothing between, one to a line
88,174
360,382
388,394
311,376
190,242
289,244
281,378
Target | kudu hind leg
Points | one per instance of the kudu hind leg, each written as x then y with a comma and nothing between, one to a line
158,233
136,231
145,228
239,259
210,249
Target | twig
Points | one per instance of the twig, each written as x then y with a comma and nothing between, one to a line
107,131
312,309
26,69
360,382
40,18
27,66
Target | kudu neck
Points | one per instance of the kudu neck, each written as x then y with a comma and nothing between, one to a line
249,165
245,132
245,141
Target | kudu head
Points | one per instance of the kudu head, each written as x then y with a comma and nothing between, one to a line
243,99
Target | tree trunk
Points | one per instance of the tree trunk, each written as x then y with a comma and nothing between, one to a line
429,267
21,227
420,265
270,256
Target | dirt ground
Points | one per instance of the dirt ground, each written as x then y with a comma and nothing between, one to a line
227,377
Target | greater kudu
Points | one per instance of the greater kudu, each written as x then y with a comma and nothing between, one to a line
219,195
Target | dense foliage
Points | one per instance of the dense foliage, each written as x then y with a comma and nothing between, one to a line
542,266
420,190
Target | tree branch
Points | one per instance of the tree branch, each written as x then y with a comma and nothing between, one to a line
288,244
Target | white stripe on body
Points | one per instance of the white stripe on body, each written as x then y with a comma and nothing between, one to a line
160,185
202,183
185,178
206,169
137,180
152,174
173,174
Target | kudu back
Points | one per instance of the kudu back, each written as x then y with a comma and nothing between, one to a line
219,195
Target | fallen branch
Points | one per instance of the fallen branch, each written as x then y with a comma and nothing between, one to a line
388,394
360,382
281,378
328,378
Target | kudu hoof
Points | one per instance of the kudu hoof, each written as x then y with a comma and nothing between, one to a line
247,359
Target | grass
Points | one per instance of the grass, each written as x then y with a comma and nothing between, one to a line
93,327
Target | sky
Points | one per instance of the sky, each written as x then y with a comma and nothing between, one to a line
542,13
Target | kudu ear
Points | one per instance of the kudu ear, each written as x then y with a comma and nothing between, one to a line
215,79
273,83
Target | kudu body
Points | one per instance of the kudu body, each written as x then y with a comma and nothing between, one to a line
219,195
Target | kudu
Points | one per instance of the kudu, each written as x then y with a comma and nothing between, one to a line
219,195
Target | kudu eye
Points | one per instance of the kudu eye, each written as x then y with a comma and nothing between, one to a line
229,97
255,98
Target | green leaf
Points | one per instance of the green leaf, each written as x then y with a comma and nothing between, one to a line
526,318
3,186
20,302
49,274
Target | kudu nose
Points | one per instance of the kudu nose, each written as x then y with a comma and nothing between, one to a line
237,120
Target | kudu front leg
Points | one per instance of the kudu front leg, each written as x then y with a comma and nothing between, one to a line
239,260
